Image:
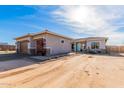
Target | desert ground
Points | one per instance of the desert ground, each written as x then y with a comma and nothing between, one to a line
74,71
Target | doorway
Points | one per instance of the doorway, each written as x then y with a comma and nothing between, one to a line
41,43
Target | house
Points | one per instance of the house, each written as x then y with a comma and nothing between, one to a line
50,43
44,43
90,44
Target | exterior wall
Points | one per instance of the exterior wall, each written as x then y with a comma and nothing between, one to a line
56,47
34,42
101,42
32,47
54,44
18,44
102,46
17,47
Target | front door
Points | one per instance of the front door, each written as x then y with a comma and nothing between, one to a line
41,47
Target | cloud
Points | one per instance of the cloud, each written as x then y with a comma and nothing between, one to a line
93,20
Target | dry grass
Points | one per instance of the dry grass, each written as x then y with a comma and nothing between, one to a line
7,52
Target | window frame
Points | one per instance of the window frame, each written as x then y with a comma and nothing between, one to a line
95,45
62,41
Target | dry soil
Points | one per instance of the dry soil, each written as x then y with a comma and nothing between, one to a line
68,72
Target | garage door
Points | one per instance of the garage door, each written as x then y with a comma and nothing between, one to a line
24,47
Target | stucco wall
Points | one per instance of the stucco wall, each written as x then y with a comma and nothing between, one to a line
102,43
55,45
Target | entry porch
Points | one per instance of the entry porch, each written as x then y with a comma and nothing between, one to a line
79,46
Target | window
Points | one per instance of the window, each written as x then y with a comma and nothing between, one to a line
62,41
95,45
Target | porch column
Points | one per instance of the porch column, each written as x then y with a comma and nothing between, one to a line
31,46
17,47
75,47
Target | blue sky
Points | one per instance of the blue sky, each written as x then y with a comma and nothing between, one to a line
19,20
72,21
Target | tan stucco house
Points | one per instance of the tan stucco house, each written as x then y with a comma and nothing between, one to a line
50,43
90,44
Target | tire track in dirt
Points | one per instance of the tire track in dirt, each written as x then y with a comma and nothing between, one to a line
64,80
38,75
27,68
53,76
82,76
77,71
15,73
96,76
32,74
49,71
27,74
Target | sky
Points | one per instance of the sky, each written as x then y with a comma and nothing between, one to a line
72,21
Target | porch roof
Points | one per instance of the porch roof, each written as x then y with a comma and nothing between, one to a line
90,38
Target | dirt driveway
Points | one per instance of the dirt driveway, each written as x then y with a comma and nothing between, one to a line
13,64
72,71
12,61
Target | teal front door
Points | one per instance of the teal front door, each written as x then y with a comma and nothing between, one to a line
78,47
